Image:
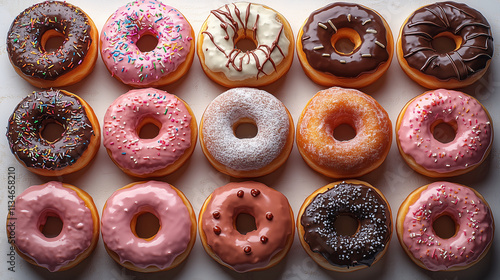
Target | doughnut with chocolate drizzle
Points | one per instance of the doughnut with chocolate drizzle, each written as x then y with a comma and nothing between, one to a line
337,252
71,62
226,64
328,65
459,67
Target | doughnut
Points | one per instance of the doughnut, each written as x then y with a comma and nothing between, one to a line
326,64
79,233
259,249
169,60
71,62
229,66
335,251
428,156
246,157
158,156
331,108
72,151
474,226
176,235
457,68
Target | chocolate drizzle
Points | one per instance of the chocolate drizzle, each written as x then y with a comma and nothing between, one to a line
459,19
362,203
28,120
324,23
240,25
24,40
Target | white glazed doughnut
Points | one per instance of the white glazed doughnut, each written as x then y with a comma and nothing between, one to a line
247,157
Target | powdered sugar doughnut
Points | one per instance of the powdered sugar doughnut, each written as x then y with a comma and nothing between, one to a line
247,157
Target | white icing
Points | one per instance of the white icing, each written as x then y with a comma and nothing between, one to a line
267,31
270,117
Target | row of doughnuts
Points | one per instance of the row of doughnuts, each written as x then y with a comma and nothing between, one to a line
258,155
323,60
261,248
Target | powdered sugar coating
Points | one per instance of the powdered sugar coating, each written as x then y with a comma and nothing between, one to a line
270,117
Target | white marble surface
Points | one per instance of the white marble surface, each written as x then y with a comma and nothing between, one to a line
295,179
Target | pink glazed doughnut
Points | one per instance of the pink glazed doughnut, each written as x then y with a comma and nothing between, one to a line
473,222
158,156
428,156
166,63
168,247
79,234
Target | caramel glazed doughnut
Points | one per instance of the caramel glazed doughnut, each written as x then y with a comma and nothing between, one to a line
79,234
458,68
229,66
337,252
343,159
74,149
328,66
71,62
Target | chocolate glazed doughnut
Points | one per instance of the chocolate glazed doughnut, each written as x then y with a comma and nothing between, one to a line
335,251
365,28
460,67
71,62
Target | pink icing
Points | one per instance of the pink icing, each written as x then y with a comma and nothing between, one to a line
273,220
33,207
159,199
472,216
144,156
473,138
124,28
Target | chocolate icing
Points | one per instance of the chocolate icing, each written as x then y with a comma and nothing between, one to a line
25,34
360,202
322,24
427,22
28,120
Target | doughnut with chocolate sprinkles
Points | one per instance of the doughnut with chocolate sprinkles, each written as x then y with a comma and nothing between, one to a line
72,151
71,62
337,252
460,67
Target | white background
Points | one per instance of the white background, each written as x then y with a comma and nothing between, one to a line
197,179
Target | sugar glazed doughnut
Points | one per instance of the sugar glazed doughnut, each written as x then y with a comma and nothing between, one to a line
161,155
363,27
342,159
427,155
337,252
474,226
75,147
174,240
246,157
79,233
459,67
170,59
229,66
260,249
71,62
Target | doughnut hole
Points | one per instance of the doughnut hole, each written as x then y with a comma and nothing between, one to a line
346,225
444,132
344,132
345,41
446,42
148,128
51,130
145,225
51,41
445,226
50,224
342,127
244,223
147,41
245,128
245,41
